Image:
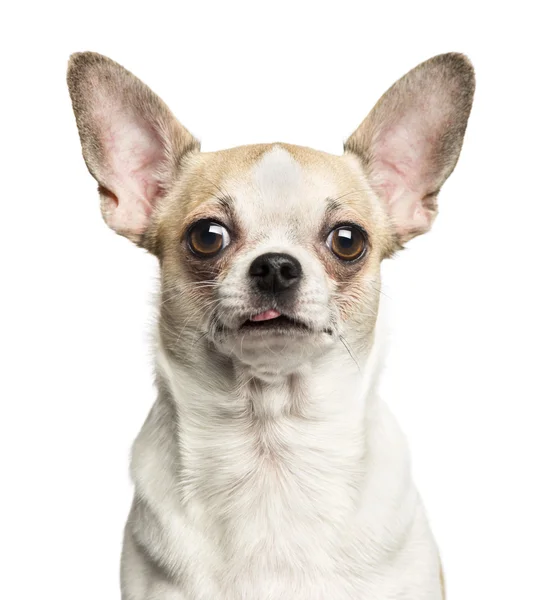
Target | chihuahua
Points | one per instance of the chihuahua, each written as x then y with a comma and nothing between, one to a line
268,467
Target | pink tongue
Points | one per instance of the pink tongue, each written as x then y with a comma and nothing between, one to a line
266,315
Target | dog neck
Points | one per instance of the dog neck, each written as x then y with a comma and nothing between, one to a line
240,440
332,387
249,459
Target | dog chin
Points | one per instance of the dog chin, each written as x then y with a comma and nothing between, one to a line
279,348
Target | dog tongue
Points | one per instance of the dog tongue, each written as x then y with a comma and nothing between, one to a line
266,315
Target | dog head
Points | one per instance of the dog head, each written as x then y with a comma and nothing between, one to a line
270,253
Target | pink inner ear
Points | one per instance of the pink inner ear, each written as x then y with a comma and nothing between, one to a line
133,153
410,141
402,171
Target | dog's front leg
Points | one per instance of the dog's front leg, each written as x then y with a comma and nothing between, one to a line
157,591
141,580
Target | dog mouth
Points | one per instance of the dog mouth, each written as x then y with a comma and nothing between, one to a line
274,321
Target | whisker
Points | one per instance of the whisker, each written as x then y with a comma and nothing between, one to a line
347,347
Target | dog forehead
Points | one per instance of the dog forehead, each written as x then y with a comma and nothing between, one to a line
270,191
284,186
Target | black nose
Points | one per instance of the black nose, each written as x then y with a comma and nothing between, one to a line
275,272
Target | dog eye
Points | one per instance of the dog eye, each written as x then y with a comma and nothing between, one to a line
207,238
347,242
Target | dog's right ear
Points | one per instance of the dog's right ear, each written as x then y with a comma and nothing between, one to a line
132,144
410,142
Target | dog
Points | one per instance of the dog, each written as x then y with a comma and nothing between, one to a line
269,468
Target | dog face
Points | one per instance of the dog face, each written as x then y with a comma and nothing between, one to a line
276,249
271,253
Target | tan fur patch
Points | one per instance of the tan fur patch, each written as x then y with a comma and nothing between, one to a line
204,177
204,188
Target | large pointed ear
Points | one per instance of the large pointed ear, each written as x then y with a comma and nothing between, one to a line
410,142
131,142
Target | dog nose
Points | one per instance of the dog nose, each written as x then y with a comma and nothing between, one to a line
275,272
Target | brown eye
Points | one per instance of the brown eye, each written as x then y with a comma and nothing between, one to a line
207,238
347,242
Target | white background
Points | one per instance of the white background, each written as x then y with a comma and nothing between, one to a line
464,372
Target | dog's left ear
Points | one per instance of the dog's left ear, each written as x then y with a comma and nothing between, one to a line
132,143
410,142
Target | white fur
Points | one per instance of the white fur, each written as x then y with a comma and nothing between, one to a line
286,478
319,505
